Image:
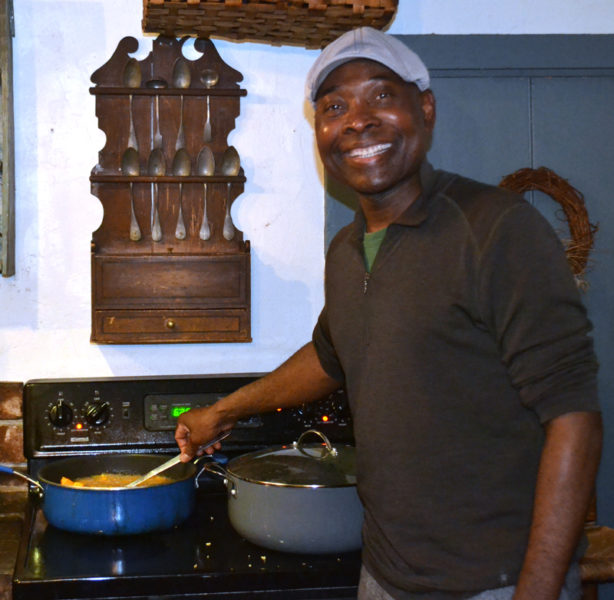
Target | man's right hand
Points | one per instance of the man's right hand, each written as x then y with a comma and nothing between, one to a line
197,427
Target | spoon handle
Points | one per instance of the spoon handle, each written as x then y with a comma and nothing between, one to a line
173,461
181,134
180,231
132,143
157,135
205,229
135,230
156,230
207,135
229,230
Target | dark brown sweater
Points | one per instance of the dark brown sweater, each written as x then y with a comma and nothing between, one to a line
468,334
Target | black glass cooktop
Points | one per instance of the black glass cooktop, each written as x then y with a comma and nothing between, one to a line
202,558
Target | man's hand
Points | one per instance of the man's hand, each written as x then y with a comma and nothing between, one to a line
198,427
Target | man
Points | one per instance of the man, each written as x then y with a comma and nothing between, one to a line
452,319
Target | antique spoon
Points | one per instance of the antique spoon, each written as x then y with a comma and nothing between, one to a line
156,167
231,164
180,134
209,78
157,135
130,167
182,167
130,162
132,79
205,167
182,78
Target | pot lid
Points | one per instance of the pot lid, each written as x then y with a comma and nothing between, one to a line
299,464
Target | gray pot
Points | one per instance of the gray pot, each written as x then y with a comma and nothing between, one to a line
297,498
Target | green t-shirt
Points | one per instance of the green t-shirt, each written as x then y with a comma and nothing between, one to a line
371,243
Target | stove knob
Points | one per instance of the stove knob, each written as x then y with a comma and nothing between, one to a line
60,414
98,413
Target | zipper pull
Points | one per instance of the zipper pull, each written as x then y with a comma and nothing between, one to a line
365,282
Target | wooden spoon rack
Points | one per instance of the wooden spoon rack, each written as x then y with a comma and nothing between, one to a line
158,275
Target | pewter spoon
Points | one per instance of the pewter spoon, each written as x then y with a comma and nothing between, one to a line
205,167
209,78
132,79
130,166
182,167
231,164
157,168
157,84
181,79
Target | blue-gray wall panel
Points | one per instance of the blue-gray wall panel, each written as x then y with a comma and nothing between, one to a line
574,128
469,110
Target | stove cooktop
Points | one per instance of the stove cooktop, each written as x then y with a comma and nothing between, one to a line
202,558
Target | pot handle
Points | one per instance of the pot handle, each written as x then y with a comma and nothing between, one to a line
217,469
196,461
10,471
328,446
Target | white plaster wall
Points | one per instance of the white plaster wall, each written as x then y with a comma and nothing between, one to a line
45,307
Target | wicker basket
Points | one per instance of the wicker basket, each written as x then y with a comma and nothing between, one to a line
308,23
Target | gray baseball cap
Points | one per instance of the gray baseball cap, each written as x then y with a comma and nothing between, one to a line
366,42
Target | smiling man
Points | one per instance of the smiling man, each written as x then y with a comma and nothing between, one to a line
453,321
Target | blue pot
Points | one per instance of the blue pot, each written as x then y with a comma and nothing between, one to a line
120,510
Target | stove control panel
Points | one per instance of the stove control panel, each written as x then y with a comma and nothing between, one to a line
63,413
64,417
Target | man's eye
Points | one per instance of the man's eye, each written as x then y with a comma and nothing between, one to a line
332,108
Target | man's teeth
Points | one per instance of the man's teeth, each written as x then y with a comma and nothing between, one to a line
370,151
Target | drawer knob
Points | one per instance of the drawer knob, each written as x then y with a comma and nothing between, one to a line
170,324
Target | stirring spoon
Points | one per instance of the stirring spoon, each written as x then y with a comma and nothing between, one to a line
173,461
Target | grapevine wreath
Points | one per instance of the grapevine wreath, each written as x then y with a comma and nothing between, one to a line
572,202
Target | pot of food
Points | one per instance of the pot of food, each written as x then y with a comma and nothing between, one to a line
89,494
296,498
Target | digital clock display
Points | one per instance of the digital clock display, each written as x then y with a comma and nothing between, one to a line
179,410
163,410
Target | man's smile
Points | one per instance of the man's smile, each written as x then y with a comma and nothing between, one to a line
369,151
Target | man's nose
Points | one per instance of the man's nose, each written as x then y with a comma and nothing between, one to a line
360,117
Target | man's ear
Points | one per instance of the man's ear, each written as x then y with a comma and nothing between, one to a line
427,99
